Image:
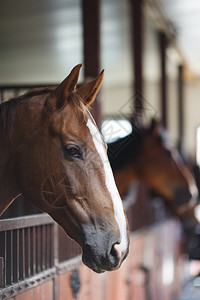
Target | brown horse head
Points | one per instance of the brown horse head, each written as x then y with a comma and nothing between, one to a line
148,155
162,168
60,164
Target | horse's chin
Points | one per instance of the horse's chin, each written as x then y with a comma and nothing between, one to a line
99,269
93,266
100,264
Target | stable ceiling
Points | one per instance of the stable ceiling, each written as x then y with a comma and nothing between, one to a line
40,41
185,17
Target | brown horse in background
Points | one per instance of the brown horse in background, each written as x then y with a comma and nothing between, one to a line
52,152
147,155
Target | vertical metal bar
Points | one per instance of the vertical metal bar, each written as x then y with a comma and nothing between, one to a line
38,253
163,86
5,257
54,256
39,248
31,249
48,246
11,256
23,252
2,258
1,272
16,260
54,244
20,255
51,245
17,255
14,255
34,250
27,252
91,47
43,243
36,247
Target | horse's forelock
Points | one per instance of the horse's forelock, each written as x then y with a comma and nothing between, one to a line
78,105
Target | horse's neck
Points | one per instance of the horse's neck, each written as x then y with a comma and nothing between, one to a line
124,151
128,173
8,186
25,122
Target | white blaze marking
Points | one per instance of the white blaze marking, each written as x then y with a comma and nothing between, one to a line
111,186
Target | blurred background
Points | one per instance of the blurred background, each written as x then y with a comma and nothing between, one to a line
150,50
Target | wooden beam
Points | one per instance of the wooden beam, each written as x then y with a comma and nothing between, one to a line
163,83
180,108
137,48
91,47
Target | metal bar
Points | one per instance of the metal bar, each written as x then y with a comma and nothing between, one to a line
38,253
27,221
27,86
2,256
34,250
15,250
5,257
13,291
27,253
48,246
17,255
54,244
1,272
23,274
20,255
11,256
91,47
8,260
43,243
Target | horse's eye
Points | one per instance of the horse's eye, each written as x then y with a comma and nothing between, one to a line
73,151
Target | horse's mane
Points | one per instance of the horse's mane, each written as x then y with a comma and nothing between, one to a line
124,150
8,108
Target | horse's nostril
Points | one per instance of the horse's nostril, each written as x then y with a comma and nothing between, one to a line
117,254
114,258
114,252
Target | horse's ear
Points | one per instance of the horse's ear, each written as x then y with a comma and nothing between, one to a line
64,89
89,90
155,126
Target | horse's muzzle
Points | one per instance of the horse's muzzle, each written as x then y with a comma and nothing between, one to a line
102,254
183,196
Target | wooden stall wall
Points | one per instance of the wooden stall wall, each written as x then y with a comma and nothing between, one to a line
145,274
